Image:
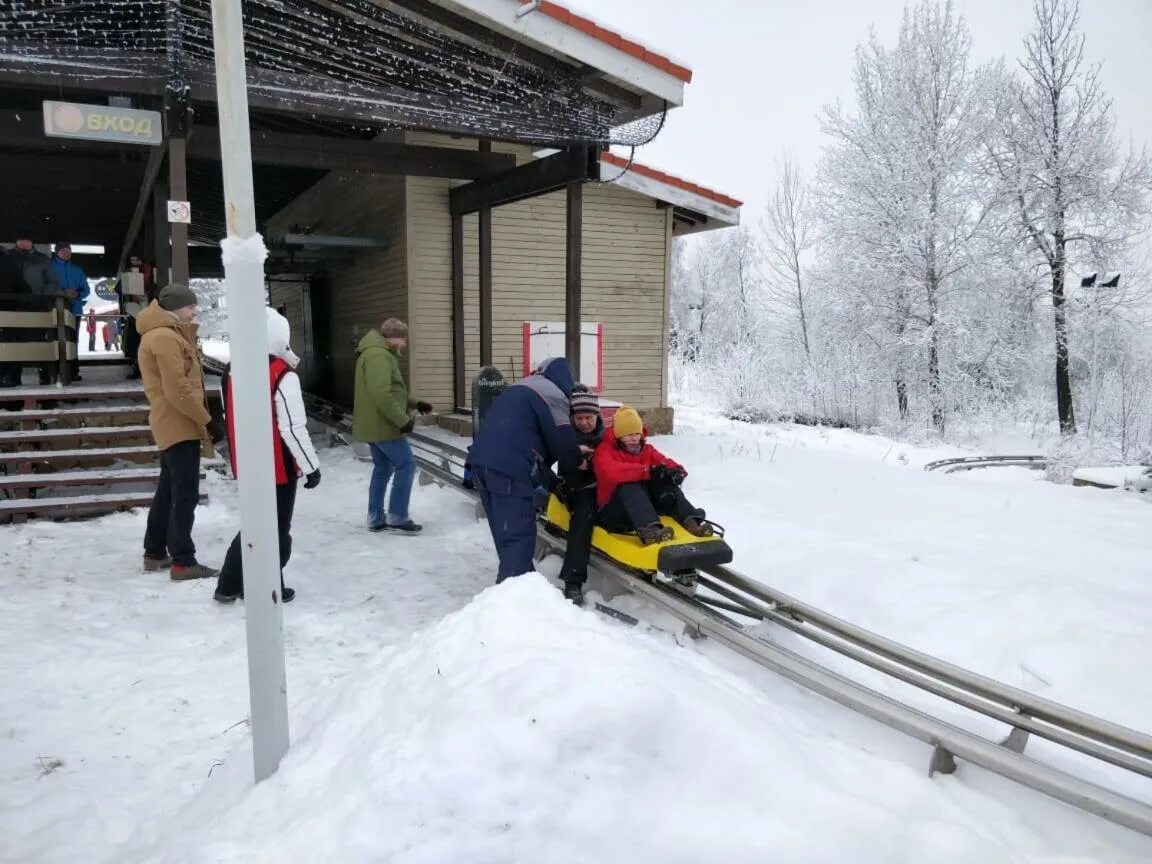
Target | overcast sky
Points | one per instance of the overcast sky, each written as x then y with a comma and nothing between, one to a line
764,68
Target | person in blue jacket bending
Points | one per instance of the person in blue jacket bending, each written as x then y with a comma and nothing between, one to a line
73,285
527,428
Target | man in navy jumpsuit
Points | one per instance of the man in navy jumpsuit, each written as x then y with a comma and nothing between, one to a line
527,428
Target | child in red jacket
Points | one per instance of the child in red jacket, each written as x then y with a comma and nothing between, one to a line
636,484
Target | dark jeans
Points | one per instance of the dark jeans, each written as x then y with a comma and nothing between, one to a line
580,498
634,505
91,342
231,579
511,516
174,505
131,340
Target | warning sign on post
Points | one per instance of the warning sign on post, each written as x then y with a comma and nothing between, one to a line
179,211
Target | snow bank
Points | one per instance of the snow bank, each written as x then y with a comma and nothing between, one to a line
523,729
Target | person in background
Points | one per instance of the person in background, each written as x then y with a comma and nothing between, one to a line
90,326
39,275
74,285
178,416
636,484
578,492
106,333
15,297
380,419
291,448
114,333
130,308
528,428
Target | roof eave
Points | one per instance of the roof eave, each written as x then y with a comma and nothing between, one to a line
549,34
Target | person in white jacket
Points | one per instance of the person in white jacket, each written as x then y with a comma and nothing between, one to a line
292,448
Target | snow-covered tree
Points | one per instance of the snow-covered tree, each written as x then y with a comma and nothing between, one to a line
1077,199
789,234
900,187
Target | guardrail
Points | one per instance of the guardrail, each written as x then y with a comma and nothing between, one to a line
969,463
38,330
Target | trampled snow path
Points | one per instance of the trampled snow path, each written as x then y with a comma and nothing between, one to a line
139,685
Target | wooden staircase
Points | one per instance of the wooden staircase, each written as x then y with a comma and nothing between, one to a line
81,450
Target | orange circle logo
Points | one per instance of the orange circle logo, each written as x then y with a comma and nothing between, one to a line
68,118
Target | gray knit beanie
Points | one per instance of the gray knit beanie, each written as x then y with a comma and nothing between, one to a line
176,296
584,401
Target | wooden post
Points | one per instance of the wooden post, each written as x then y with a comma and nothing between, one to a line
163,249
458,374
572,311
178,186
485,299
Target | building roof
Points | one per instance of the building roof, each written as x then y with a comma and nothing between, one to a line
612,38
698,207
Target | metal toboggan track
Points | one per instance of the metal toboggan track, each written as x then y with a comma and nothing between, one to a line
728,596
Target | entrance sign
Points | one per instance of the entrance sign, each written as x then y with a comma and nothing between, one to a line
180,211
102,123
544,339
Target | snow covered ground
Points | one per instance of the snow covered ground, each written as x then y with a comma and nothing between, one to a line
437,719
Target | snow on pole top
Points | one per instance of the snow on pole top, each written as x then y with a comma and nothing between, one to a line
243,250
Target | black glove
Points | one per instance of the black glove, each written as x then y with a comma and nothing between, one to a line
312,480
424,407
408,427
677,475
658,472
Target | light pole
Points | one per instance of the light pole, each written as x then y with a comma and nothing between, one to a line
244,253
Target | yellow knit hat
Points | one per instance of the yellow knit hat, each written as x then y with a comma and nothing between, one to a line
626,421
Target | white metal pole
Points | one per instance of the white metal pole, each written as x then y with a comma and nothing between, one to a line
244,253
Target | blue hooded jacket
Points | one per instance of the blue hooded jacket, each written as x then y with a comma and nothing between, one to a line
529,426
71,277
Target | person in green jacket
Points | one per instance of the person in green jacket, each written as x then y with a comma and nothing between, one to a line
381,420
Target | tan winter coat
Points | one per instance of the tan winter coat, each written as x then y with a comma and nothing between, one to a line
173,378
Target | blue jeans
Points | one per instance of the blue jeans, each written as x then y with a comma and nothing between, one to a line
511,516
391,460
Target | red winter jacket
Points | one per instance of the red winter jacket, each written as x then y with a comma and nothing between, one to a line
615,465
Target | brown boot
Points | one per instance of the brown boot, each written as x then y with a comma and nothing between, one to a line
657,532
697,527
153,565
182,573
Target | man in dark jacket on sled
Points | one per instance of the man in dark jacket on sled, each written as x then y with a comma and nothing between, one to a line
637,484
577,489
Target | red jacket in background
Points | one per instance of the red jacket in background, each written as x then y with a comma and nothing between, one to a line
615,465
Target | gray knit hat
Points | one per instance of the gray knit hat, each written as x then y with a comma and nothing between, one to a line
584,401
394,328
176,296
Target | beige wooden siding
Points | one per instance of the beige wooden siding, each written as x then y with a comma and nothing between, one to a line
430,277
369,286
625,286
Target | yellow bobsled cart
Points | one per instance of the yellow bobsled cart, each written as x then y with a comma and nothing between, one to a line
672,562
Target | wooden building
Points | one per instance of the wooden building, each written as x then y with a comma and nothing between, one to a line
442,161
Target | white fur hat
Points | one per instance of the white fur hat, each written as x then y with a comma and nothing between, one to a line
279,338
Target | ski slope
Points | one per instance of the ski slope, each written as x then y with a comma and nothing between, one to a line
413,685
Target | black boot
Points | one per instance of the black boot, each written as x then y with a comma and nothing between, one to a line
574,591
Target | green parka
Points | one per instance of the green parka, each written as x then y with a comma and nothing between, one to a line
381,405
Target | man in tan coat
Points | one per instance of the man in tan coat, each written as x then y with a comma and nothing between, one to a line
174,383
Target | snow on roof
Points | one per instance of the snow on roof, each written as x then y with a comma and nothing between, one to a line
565,14
647,180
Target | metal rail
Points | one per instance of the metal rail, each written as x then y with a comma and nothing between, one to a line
1023,713
969,463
